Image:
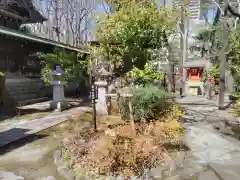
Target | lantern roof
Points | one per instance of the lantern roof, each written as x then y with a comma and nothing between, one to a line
103,72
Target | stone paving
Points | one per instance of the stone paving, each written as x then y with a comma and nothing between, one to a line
220,152
26,128
207,108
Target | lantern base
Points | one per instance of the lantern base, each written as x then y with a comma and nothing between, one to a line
59,105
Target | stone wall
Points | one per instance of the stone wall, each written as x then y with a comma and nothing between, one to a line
25,90
31,90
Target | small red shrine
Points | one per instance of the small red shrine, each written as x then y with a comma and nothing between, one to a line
194,74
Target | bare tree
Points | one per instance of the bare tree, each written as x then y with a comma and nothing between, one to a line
77,17
68,20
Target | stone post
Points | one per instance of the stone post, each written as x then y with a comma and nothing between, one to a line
59,102
102,85
101,105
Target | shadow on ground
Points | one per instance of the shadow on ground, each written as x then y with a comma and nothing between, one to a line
17,137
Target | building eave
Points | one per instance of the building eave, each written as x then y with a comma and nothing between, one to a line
12,15
18,34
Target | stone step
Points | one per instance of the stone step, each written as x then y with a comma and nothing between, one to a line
32,101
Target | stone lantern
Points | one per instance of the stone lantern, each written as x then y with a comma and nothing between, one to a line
102,79
58,81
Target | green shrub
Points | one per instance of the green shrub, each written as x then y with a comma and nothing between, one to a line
148,102
211,72
145,76
237,95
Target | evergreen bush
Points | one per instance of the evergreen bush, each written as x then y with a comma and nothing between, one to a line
148,102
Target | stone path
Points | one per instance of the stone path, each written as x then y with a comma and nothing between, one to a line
218,151
26,128
207,108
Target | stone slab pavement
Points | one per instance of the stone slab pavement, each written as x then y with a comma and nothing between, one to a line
209,108
226,172
220,152
208,175
21,130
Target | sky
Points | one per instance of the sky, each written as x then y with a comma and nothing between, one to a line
101,8
210,13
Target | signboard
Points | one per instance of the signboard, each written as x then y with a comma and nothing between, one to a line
93,94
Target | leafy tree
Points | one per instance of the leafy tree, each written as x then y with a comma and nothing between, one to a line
133,32
145,76
233,55
224,9
73,64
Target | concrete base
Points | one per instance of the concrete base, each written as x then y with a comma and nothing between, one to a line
59,106
198,85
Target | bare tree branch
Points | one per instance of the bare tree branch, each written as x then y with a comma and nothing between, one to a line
104,7
67,19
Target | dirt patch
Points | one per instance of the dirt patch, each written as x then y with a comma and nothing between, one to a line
117,150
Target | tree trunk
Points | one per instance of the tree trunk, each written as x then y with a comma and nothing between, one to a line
223,63
173,78
183,44
131,116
